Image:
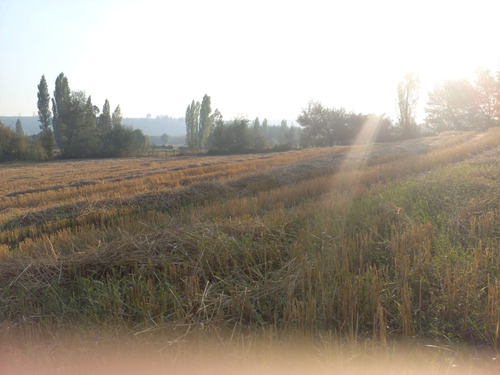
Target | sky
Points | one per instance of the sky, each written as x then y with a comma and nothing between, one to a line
265,59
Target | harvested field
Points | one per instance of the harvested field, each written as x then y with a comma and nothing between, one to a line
72,189
381,242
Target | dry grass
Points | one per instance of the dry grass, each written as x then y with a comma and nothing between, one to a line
378,243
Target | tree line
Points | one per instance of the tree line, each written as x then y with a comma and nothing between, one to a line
452,105
320,127
207,130
241,135
75,128
80,129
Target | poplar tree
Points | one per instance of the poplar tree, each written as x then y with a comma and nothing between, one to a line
199,122
206,122
116,119
117,141
192,120
104,130
104,121
44,117
61,107
89,129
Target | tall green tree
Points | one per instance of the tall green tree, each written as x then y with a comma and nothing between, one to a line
81,132
104,120
74,121
90,132
61,105
192,120
44,117
104,130
205,122
199,122
118,138
116,118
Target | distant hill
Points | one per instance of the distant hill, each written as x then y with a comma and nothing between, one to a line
158,126
30,124
149,126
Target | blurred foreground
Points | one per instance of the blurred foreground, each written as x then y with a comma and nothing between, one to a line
193,353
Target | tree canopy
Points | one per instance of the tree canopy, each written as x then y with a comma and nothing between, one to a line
324,127
80,132
465,105
79,128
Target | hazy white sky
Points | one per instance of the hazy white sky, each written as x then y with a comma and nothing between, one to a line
254,58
